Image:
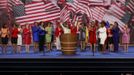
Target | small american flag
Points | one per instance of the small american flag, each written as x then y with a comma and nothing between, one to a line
71,7
64,14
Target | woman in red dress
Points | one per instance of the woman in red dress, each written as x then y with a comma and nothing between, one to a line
92,36
14,37
27,37
58,32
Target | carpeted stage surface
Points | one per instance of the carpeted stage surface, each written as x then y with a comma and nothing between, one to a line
54,54
56,62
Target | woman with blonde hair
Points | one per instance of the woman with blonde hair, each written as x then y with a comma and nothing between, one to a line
125,37
48,36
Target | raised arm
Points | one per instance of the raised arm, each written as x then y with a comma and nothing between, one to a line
62,26
76,22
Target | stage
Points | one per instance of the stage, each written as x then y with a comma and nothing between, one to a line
56,63
54,54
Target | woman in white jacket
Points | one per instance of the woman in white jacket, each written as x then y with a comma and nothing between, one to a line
102,35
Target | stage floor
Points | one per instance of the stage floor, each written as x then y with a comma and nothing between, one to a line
54,54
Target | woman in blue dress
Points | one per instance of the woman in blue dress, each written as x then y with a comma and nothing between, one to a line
35,33
115,32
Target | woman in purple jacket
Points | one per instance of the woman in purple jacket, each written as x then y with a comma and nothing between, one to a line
115,32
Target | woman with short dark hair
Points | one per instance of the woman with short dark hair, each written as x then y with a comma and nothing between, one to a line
42,34
14,37
115,32
102,36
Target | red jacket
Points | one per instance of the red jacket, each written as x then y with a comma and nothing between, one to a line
73,30
58,32
14,32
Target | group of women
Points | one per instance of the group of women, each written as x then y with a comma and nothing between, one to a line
39,33
45,34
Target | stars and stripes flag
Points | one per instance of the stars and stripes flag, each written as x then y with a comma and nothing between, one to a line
130,5
117,14
111,19
18,10
72,7
15,2
116,11
79,6
64,14
96,2
127,17
84,8
12,3
44,12
95,12
7,4
98,13
3,4
27,1
132,19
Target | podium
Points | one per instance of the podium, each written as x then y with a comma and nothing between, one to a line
68,44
